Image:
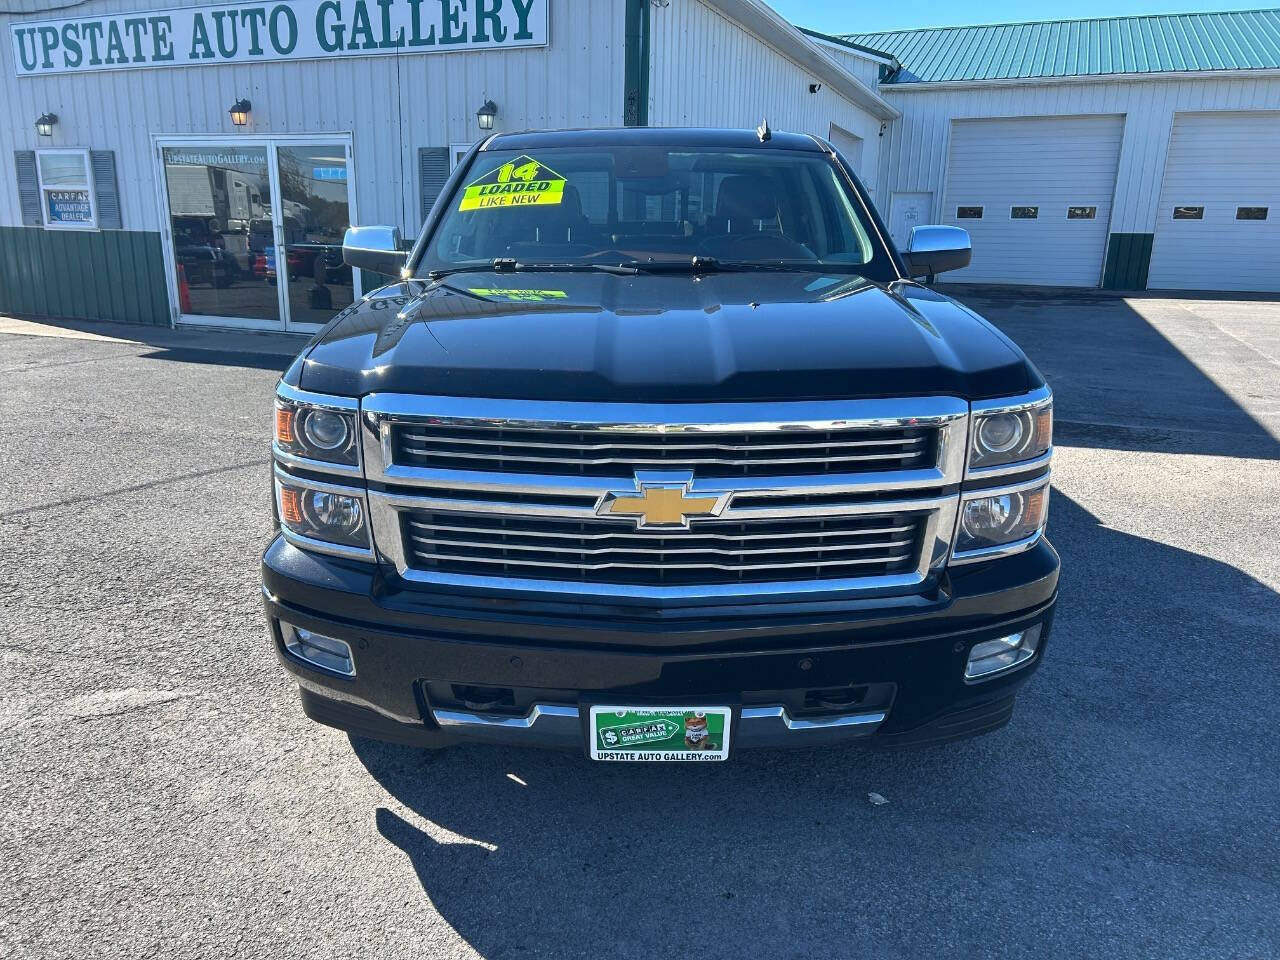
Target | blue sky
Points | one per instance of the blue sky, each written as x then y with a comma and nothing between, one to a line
840,16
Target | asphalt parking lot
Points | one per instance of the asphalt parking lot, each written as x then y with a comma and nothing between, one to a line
163,795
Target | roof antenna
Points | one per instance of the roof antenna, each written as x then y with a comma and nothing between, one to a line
763,131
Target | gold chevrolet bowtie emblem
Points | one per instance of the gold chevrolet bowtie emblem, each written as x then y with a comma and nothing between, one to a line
662,500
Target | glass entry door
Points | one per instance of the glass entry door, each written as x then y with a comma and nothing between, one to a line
255,231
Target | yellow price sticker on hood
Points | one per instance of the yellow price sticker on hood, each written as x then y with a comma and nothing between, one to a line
520,183
518,296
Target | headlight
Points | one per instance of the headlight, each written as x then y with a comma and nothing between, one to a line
323,515
316,432
1008,435
993,520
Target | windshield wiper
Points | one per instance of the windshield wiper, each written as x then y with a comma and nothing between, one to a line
512,265
626,268
715,265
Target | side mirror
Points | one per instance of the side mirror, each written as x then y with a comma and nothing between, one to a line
374,248
936,249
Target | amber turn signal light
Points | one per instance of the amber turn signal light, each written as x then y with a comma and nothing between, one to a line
1044,427
284,425
291,506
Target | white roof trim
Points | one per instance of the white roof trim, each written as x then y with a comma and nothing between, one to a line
852,51
760,19
938,86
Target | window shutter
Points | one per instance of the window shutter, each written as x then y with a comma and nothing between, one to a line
107,191
28,188
433,171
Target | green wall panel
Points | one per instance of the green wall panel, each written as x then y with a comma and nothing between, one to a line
635,64
1128,261
107,275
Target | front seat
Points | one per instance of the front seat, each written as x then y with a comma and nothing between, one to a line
565,222
746,223
547,230
745,203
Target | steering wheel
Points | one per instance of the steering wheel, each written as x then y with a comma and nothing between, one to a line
754,246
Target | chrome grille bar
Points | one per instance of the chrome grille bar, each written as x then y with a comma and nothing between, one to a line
418,525
559,549
594,447
733,568
661,462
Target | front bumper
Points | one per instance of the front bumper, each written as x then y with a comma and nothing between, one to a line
434,668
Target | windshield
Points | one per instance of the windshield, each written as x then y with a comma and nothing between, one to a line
647,206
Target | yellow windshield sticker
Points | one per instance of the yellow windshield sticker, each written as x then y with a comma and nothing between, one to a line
520,183
519,296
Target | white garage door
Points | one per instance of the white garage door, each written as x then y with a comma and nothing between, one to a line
1218,227
849,145
1035,193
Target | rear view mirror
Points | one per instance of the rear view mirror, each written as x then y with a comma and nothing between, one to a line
936,249
374,248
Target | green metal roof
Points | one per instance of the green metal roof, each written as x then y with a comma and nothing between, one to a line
1170,43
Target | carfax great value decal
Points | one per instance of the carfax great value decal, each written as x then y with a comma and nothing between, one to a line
296,30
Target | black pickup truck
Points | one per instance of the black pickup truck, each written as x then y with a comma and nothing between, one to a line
655,450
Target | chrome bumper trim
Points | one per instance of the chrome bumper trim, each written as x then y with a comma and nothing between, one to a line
812,723
559,725
467,718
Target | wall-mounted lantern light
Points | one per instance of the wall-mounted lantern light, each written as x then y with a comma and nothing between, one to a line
44,126
240,112
485,115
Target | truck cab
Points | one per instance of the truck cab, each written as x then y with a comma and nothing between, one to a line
656,448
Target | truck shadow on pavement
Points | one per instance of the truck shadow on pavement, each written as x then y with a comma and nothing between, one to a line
1126,806
1121,383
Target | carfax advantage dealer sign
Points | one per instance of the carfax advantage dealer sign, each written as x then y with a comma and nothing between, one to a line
295,30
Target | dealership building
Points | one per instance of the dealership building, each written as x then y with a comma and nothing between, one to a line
199,163
176,162
1130,153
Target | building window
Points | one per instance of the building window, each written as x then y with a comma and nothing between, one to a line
1251,213
66,190
1188,213
968,213
1082,213
1025,213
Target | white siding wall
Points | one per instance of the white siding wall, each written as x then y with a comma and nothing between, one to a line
576,81
914,153
706,70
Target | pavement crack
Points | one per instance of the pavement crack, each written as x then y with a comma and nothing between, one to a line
135,488
129,708
33,367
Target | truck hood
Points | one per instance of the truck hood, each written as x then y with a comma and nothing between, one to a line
661,338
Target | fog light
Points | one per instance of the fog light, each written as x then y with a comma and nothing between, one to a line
327,653
996,656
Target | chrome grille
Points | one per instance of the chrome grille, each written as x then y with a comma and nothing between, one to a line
813,498
710,552
609,453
